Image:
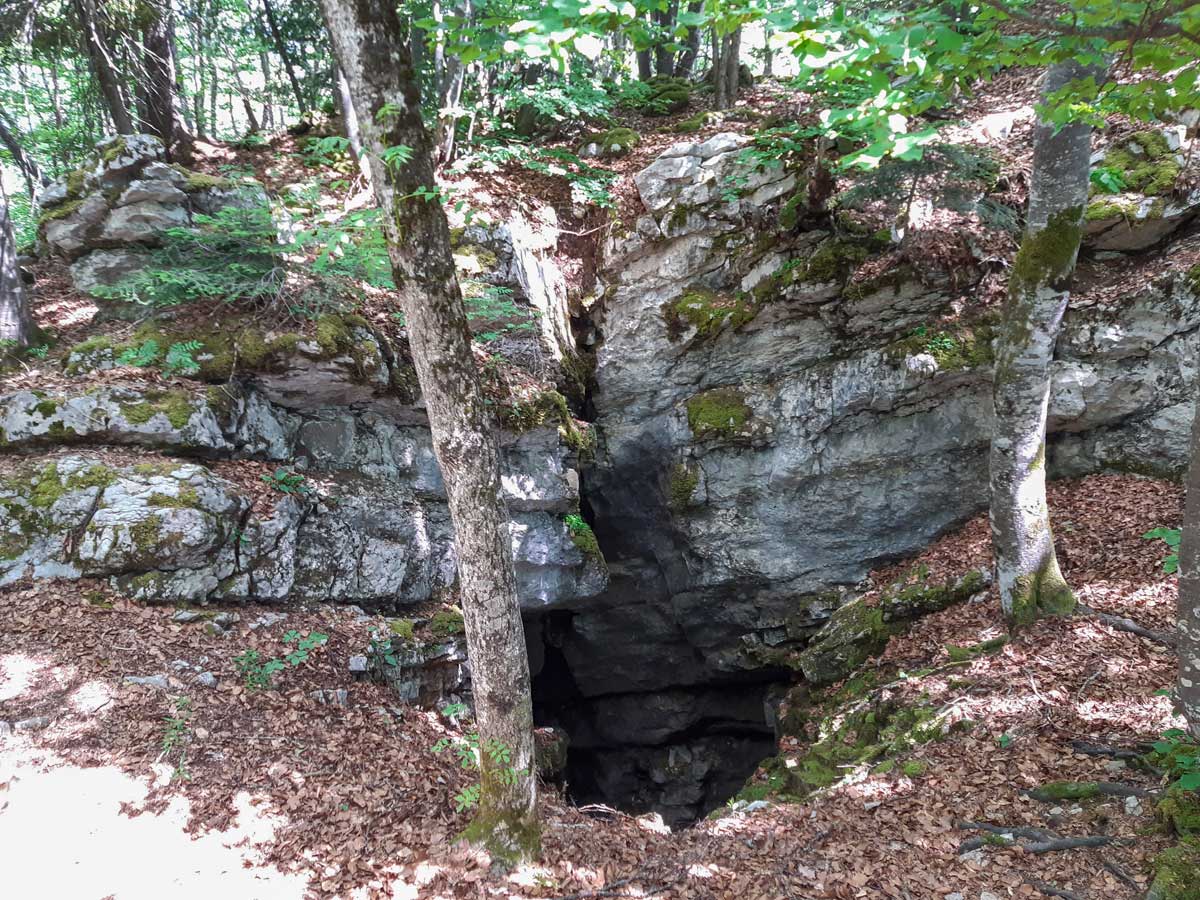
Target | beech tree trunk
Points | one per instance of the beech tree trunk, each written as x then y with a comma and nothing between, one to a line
103,67
163,116
284,55
1031,583
350,121
691,45
664,57
16,324
1187,689
30,170
369,44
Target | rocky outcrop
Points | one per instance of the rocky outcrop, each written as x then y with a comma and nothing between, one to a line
369,524
748,393
103,216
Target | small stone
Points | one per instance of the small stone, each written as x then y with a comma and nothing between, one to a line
1115,765
987,895
976,856
226,619
955,896
756,805
36,723
266,620
1133,806
184,616
1057,810
154,681
335,697
358,665
206,679
872,804
180,665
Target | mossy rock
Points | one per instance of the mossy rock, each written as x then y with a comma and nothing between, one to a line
858,630
833,261
707,311
194,182
720,413
692,124
669,95
177,405
1146,164
962,347
1177,872
615,142
974,651
681,486
1180,809
446,623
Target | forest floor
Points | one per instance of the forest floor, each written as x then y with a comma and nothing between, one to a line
276,794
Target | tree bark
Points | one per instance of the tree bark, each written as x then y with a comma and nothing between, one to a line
664,59
1031,583
1187,689
16,324
350,121
368,42
163,117
103,67
30,170
691,47
284,55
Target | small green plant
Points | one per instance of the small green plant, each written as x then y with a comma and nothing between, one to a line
381,654
1171,537
1108,179
1005,741
325,151
145,354
179,359
287,482
175,736
259,673
38,352
468,749
1180,756
581,534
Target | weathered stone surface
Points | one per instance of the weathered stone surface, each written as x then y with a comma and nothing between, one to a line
151,190
144,222
104,268
70,235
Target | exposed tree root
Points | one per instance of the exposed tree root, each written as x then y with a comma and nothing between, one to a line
1051,890
1089,749
1036,840
1120,623
1053,793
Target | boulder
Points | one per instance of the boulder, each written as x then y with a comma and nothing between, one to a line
143,222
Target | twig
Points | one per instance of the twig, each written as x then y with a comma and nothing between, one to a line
1051,891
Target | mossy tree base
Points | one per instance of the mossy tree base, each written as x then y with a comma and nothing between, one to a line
509,839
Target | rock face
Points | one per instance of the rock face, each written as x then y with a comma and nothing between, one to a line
746,396
371,529
104,215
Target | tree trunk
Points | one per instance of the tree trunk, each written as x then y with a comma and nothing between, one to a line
768,53
16,325
350,121
664,59
103,67
368,42
1187,690
691,47
284,55
163,117
1031,584
30,170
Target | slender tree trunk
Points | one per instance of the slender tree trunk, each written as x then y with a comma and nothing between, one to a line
768,53
103,67
16,324
30,171
691,45
368,42
350,120
284,55
664,58
1187,690
1031,583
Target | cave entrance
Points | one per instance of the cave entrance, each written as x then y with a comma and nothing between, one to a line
680,752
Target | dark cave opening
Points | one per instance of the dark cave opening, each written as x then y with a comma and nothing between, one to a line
680,752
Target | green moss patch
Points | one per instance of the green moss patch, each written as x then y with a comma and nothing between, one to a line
59,211
614,142
1180,809
1146,164
718,413
401,628
199,181
966,346
692,124
1177,872
446,623
681,484
966,654
833,261
176,405
706,311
